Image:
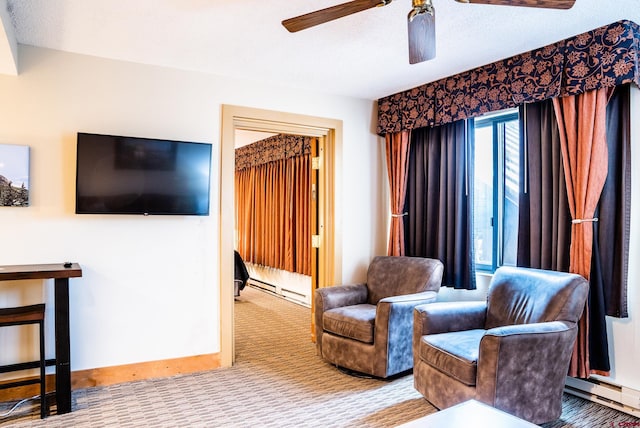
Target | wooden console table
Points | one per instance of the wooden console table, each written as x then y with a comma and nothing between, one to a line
61,276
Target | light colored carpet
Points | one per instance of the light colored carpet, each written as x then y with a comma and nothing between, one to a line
277,381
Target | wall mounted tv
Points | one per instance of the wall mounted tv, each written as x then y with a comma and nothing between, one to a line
129,175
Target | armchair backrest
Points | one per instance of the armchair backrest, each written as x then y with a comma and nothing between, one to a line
395,276
523,296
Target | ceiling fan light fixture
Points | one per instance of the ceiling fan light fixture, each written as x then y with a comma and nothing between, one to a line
421,24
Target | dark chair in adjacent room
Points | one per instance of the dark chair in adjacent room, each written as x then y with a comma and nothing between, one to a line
367,328
241,274
24,315
511,351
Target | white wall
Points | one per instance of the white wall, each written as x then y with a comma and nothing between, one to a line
149,288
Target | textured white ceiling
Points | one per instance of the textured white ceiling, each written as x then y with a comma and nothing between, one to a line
8,43
363,55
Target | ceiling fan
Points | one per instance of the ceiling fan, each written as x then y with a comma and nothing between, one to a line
421,19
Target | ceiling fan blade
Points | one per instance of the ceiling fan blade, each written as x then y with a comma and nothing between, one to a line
422,37
547,4
312,19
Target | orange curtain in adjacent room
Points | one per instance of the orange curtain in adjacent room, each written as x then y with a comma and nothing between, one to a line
397,150
582,124
272,214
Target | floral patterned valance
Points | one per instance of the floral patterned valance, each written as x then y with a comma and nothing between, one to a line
605,57
281,146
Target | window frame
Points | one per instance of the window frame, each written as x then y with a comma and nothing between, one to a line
496,121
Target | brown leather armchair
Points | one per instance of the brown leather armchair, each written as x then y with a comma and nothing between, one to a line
511,352
368,327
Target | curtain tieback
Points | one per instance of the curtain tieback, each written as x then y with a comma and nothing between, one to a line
584,220
399,215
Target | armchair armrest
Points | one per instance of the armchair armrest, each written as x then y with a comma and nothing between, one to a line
415,298
340,295
510,356
445,317
335,297
398,311
394,328
528,329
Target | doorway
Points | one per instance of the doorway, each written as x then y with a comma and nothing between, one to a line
329,132
275,219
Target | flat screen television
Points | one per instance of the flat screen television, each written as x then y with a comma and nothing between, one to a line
130,175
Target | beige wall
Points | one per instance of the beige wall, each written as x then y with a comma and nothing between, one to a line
150,286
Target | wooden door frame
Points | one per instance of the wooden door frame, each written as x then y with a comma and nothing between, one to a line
329,257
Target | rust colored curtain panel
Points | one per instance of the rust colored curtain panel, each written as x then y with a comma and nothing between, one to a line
296,256
582,125
272,214
302,214
397,150
245,206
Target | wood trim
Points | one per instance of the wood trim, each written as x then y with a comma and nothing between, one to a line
104,376
330,255
20,392
39,271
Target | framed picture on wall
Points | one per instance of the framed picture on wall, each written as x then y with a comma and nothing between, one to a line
14,175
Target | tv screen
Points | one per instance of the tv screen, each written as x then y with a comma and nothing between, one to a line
130,175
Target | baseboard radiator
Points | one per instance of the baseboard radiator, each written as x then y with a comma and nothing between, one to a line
291,286
282,292
265,286
617,397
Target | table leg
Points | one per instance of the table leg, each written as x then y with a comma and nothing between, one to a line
63,346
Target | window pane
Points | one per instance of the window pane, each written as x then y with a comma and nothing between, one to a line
483,196
511,192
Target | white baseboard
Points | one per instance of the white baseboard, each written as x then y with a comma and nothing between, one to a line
290,286
617,397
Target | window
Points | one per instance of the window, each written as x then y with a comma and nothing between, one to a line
496,140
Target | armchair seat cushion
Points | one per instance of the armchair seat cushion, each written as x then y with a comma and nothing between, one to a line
455,354
355,322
